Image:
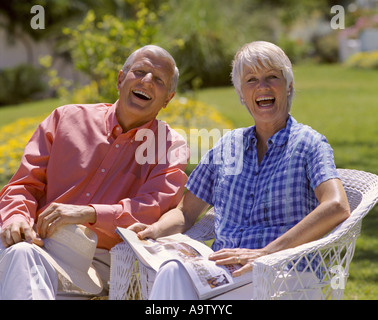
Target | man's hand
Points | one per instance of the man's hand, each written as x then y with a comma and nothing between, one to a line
58,214
19,231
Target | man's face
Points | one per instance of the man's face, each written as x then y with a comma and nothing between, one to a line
144,89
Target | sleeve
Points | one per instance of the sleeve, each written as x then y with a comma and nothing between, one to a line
203,180
19,198
320,162
161,192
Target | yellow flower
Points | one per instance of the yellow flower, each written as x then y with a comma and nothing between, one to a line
13,138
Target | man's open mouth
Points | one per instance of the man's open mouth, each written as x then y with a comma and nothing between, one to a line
265,101
141,95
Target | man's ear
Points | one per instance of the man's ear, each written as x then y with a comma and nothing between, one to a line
121,77
170,97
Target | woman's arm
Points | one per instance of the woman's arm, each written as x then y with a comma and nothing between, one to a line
177,220
333,208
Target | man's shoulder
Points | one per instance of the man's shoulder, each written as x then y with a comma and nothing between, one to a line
88,108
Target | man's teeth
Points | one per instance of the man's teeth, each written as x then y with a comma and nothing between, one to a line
142,94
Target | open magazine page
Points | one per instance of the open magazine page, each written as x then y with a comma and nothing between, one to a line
209,279
153,253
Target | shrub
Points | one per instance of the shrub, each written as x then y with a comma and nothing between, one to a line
200,124
20,83
363,60
99,48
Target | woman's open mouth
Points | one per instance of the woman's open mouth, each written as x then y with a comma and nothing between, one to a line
265,101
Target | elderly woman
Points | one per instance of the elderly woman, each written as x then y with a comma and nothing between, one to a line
284,191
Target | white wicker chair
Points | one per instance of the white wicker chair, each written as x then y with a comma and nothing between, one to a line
275,276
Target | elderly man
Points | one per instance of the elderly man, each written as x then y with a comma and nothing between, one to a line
81,166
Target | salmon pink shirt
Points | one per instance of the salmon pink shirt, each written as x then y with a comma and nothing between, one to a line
80,155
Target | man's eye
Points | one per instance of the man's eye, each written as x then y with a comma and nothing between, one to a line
160,80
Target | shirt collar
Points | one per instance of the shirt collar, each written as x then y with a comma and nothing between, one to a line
114,128
279,138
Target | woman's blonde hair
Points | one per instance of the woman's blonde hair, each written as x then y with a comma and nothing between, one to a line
262,54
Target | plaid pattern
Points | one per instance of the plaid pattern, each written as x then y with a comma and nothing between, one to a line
254,204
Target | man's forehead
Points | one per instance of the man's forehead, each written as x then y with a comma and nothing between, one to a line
152,60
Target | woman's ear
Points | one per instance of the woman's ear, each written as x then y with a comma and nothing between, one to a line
240,97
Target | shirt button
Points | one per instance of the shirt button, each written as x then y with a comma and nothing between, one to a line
103,170
117,145
87,194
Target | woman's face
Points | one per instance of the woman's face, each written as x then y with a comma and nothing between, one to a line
265,93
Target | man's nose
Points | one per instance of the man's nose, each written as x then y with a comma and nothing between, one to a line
147,77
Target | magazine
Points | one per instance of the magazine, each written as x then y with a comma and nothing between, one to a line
209,279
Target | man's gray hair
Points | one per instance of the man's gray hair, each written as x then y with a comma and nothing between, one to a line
158,51
258,54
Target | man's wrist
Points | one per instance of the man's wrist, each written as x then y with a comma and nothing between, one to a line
92,215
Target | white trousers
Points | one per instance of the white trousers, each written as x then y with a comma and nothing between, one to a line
26,275
173,282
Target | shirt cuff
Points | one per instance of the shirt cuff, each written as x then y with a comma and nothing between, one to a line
14,218
106,216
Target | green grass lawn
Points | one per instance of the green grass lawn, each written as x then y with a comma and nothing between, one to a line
340,103
11,113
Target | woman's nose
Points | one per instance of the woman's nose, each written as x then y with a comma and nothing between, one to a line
262,84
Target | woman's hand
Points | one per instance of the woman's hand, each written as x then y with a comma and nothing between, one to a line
245,257
144,231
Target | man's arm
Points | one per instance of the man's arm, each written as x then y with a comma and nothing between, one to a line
19,198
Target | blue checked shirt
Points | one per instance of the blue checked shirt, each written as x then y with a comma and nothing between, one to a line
254,204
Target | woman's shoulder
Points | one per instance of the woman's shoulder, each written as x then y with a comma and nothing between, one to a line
306,133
